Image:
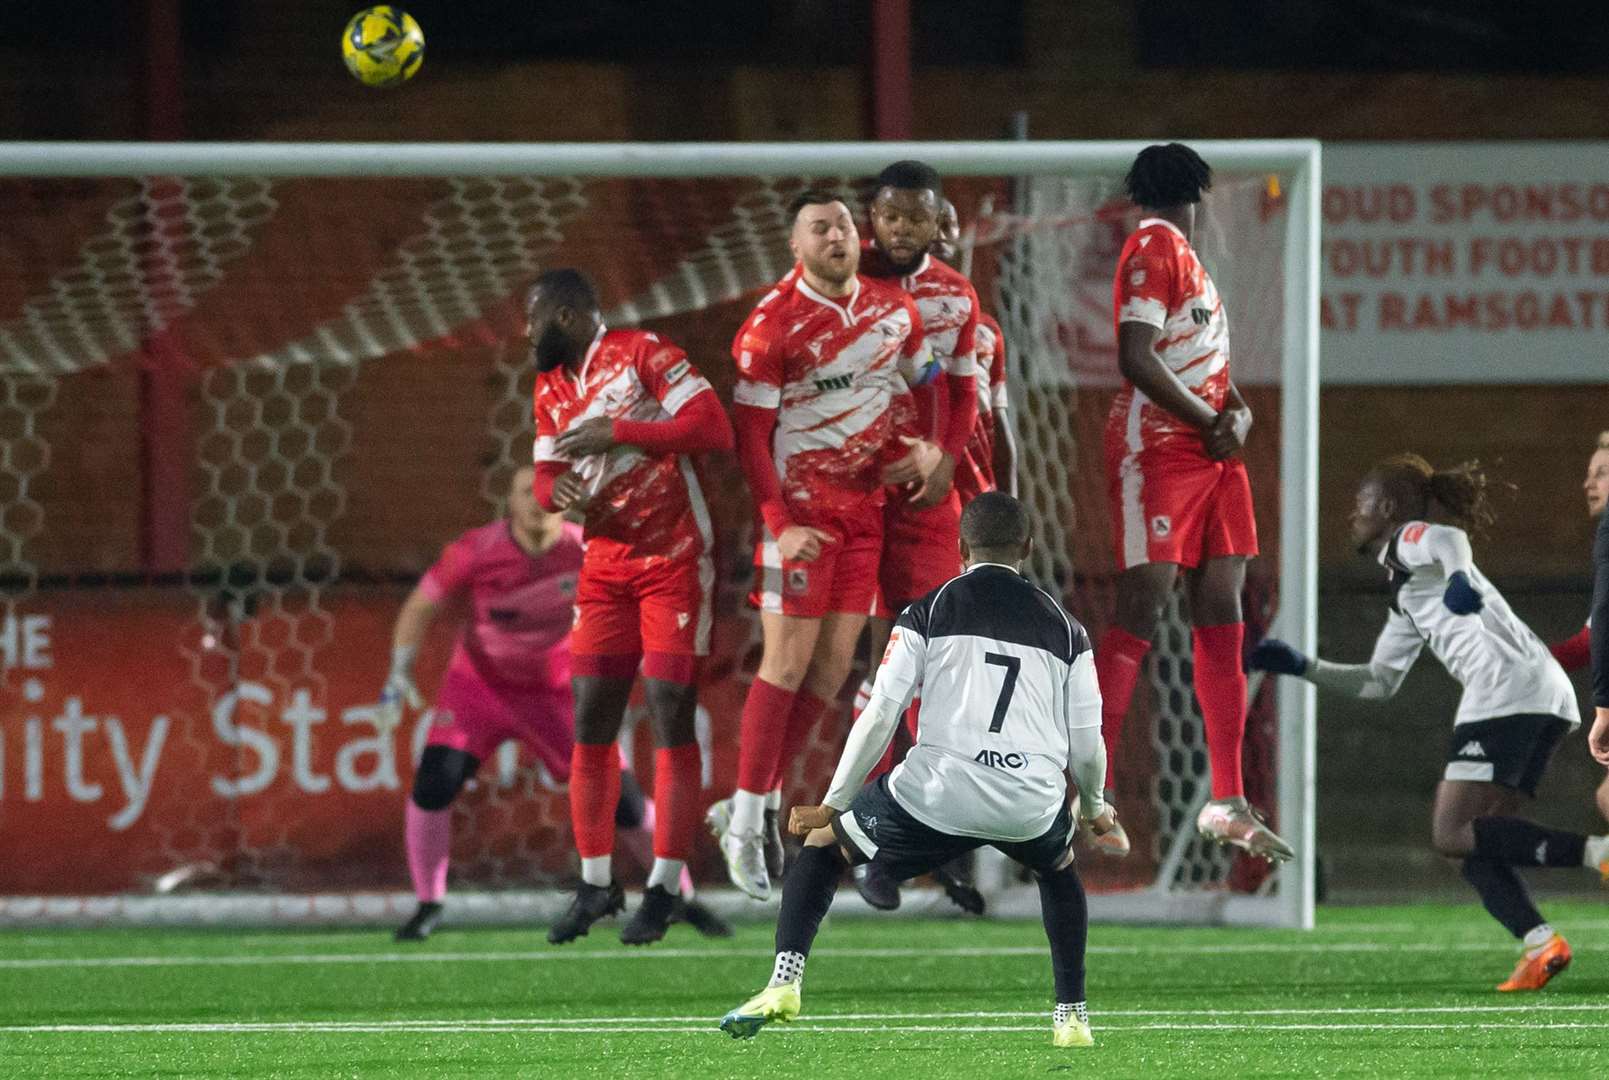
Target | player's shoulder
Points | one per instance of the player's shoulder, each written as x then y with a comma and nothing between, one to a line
1154,237
483,539
947,278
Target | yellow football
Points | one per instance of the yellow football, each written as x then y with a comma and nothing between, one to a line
382,46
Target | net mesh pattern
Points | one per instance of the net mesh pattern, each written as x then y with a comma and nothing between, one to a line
360,394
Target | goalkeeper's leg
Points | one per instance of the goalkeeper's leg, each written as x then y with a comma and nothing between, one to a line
442,773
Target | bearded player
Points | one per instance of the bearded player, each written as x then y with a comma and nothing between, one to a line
821,361
1180,497
1575,652
910,214
618,412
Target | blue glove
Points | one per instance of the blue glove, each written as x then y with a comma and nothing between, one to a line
1461,597
1275,656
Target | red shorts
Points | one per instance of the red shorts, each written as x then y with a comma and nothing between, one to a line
626,607
474,717
921,551
843,578
1172,506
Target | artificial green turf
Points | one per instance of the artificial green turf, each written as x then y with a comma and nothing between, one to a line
1165,1002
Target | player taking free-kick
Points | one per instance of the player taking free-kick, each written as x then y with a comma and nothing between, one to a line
1010,706
1516,707
920,520
1179,493
617,412
820,361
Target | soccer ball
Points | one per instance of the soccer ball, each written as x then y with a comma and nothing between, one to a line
382,46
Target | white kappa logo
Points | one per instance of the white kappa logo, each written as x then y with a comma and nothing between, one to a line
1472,748
681,620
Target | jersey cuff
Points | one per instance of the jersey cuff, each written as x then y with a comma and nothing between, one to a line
756,395
1140,310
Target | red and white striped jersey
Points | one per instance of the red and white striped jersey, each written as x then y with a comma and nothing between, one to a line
948,305
832,368
974,474
1160,282
642,505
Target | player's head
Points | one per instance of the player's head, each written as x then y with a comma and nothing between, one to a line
563,313
524,512
1406,487
994,528
947,244
1168,177
824,237
1597,485
905,212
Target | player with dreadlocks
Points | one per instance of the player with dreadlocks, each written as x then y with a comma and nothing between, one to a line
1516,706
1179,493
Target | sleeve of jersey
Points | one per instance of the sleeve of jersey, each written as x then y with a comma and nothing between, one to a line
1575,651
1086,750
755,427
896,681
962,384
1421,544
1600,615
999,398
542,478
1394,653
451,571
698,424
1145,288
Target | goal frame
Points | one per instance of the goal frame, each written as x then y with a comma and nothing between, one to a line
1300,160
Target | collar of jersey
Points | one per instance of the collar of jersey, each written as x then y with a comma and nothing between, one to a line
997,565
846,311
921,268
1166,224
592,350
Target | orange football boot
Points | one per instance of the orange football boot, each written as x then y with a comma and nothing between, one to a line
1533,972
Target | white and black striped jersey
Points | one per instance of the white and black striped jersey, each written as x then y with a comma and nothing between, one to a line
1005,675
1505,669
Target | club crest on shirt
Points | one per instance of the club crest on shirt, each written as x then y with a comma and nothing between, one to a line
1161,525
798,580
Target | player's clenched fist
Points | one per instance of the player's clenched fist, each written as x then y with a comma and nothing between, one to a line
802,543
803,820
569,491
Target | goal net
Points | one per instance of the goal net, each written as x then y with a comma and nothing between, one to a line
312,357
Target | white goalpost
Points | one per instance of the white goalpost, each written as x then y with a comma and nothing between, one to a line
341,314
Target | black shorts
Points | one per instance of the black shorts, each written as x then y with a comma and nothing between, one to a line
1509,750
907,848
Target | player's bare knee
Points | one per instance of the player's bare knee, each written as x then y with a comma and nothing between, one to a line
1452,839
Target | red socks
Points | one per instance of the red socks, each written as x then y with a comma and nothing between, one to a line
1221,691
1117,669
594,791
763,729
802,717
676,796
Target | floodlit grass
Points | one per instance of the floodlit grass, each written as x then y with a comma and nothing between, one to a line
1399,991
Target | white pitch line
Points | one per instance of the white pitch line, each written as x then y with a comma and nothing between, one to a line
708,1027
1204,949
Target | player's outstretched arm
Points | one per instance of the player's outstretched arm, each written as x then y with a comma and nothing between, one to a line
406,636
1394,653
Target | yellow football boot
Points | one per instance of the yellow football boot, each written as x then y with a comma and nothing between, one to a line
772,1003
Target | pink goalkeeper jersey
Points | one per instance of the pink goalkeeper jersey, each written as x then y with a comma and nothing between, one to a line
518,635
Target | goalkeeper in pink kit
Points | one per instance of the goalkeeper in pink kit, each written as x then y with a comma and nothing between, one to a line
509,678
